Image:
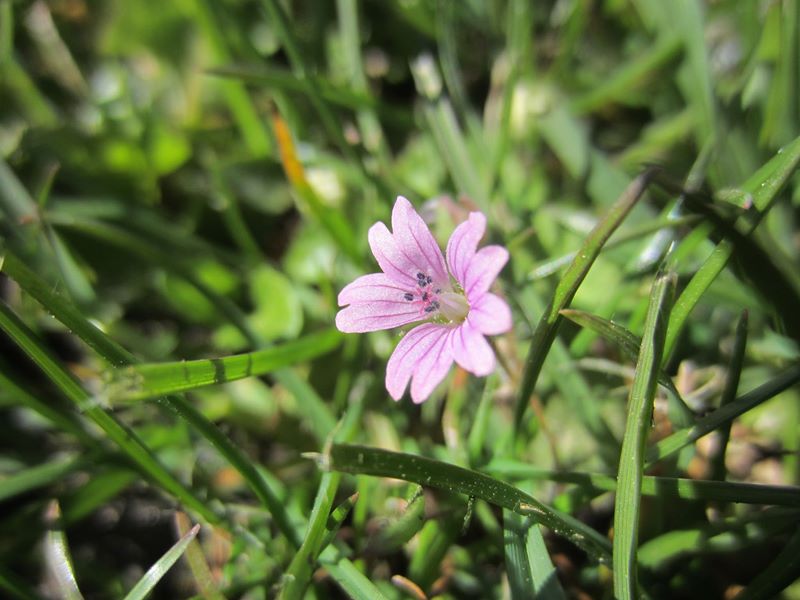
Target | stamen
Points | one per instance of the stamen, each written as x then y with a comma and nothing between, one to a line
424,296
408,296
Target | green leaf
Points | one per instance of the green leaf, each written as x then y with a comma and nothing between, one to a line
138,382
154,574
428,472
631,462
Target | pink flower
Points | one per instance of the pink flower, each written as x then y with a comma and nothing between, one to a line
452,301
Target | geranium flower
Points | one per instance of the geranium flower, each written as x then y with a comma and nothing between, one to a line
452,300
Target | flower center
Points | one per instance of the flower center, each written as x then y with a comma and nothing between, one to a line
453,306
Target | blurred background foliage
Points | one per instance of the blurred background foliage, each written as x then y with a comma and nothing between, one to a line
197,178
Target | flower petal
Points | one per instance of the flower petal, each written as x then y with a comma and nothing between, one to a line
490,315
462,245
483,270
472,351
411,354
395,263
371,288
432,366
376,316
414,239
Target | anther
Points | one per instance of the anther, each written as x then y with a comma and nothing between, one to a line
408,296
424,296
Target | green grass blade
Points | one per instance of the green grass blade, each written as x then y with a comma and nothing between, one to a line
154,574
780,574
125,438
428,472
352,581
249,122
37,476
530,571
631,462
139,382
629,343
16,587
280,22
546,329
299,572
618,86
115,354
64,310
662,487
100,489
57,559
551,265
195,558
63,420
729,394
763,188
401,530
450,139
725,414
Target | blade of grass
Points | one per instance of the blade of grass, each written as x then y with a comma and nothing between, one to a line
729,394
65,421
283,79
197,561
299,571
780,574
452,145
154,574
401,530
763,188
280,22
15,586
552,265
352,581
631,462
116,355
428,472
630,344
725,414
38,476
618,85
142,381
530,571
546,329
57,559
332,220
249,122
122,436
664,487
